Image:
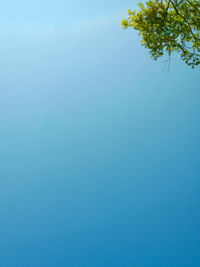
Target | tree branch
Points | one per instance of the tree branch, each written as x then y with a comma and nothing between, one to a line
196,9
177,12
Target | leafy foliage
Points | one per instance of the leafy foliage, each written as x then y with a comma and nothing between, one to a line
167,26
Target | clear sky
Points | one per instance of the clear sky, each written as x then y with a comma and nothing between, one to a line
99,147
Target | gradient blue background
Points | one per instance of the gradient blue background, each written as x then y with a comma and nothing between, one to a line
99,148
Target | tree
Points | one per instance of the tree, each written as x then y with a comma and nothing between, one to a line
168,26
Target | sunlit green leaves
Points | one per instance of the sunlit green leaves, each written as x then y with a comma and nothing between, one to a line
168,26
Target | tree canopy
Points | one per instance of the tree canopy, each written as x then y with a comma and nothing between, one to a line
168,26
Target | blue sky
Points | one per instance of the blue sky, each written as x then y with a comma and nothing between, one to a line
99,146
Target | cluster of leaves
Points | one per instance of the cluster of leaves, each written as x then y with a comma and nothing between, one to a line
167,26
